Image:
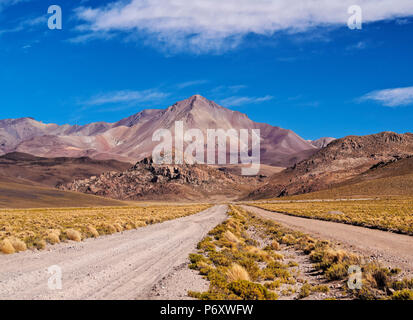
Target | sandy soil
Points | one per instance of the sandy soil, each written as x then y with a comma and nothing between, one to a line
391,249
128,265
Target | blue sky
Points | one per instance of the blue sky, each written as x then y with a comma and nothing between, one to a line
303,70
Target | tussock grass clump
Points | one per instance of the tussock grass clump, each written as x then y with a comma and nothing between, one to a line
305,291
53,236
40,244
18,245
93,232
288,239
334,263
236,273
73,235
229,236
107,228
118,227
275,245
7,247
273,285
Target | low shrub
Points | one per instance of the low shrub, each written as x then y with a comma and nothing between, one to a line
247,290
405,294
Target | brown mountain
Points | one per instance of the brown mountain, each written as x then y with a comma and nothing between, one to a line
149,181
130,139
53,171
322,142
341,160
391,178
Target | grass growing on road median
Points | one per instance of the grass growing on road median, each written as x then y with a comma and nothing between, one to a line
245,258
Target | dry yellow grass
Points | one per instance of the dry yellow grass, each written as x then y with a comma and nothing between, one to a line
53,236
236,273
93,231
275,245
18,245
6,247
74,235
393,214
229,236
33,228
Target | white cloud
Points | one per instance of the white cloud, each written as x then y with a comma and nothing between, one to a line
237,101
193,83
5,3
391,97
227,90
216,25
28,24
361,45
127,97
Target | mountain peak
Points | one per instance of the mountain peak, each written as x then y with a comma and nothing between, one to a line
197,96
193,104
197,99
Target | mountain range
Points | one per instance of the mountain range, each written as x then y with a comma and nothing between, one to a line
113,160
351,159
130,139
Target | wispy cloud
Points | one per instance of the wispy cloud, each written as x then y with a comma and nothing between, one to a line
6,3
237,101
227,90
27,24
357,46
214,26
127,97
193,83
396,97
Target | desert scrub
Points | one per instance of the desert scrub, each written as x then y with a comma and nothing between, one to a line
393,214
22,229
237,266
307,289
404,294
377,282
240,264
247,290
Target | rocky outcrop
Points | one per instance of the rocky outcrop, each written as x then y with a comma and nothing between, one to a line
150,181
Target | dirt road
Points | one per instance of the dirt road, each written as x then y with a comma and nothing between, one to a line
389,248
125,265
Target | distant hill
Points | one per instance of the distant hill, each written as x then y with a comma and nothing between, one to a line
393,178
53,171
18,193
350,160
130,139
